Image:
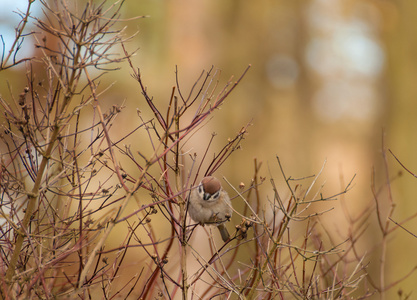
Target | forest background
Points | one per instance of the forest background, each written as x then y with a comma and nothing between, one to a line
330,83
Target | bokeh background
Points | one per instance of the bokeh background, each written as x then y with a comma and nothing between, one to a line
330,80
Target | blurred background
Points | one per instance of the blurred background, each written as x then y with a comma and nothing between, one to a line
331,80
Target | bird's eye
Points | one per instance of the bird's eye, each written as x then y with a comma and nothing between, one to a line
200,189
216,195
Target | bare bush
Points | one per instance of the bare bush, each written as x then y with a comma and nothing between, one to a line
66,182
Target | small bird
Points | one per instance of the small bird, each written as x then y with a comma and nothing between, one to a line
210,204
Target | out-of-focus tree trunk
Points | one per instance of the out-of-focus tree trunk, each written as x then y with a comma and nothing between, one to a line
401,45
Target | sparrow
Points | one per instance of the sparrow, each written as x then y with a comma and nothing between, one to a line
210,204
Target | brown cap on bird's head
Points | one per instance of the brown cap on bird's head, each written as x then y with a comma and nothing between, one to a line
211,184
